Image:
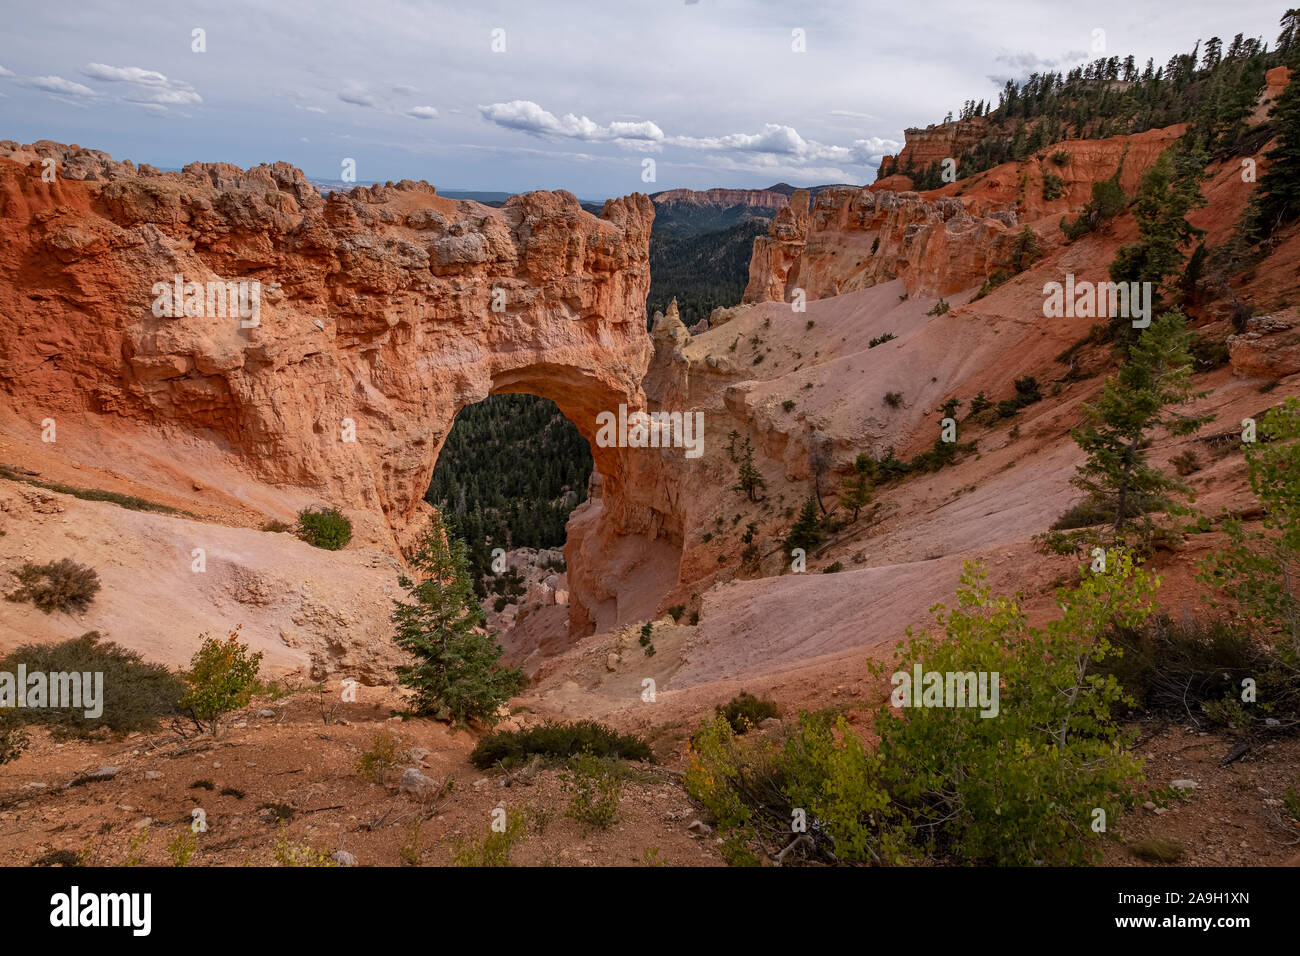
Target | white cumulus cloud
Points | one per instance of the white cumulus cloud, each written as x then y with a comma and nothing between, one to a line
781,142
147,88
528,117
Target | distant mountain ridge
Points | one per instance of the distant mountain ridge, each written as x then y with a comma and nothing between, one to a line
690,212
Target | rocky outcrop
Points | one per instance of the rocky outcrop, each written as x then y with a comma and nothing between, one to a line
935,143
1275,81
1269,347
381,312
852,239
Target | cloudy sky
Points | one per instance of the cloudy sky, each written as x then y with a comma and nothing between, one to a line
558,94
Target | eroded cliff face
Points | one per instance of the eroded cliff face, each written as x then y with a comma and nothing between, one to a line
383,312
852,239
941,241
935,143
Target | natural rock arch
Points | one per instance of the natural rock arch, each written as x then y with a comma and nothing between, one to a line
383,312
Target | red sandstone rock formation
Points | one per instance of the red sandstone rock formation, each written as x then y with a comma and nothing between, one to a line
388,307
855,238
934,144
938,242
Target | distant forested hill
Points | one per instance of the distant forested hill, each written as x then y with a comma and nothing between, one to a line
703,271
508,475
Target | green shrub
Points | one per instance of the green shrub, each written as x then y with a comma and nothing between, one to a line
1292,803
889,468
835,568
745,711
557,740
1258,567
1016,784
13,740
881,340
788,405
221,678
1085,514
595,787
182,846
289,853
1186,463
1030,803
326,528
1027,390
62,585
893,399
1108,200
830,774
495,847
1158,850
136,695
941,454
379,760
998,277
57,858
1174,669
738,781
1053,187
676,611
1209,354
940,308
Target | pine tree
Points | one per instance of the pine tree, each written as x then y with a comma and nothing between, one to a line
457,673
1170,189
1261,569
1019,142
1290,35
857,491
750,479
1213,53
1025,251
806,532
1117,478
1277,196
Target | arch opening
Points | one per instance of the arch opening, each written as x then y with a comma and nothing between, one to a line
507,477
